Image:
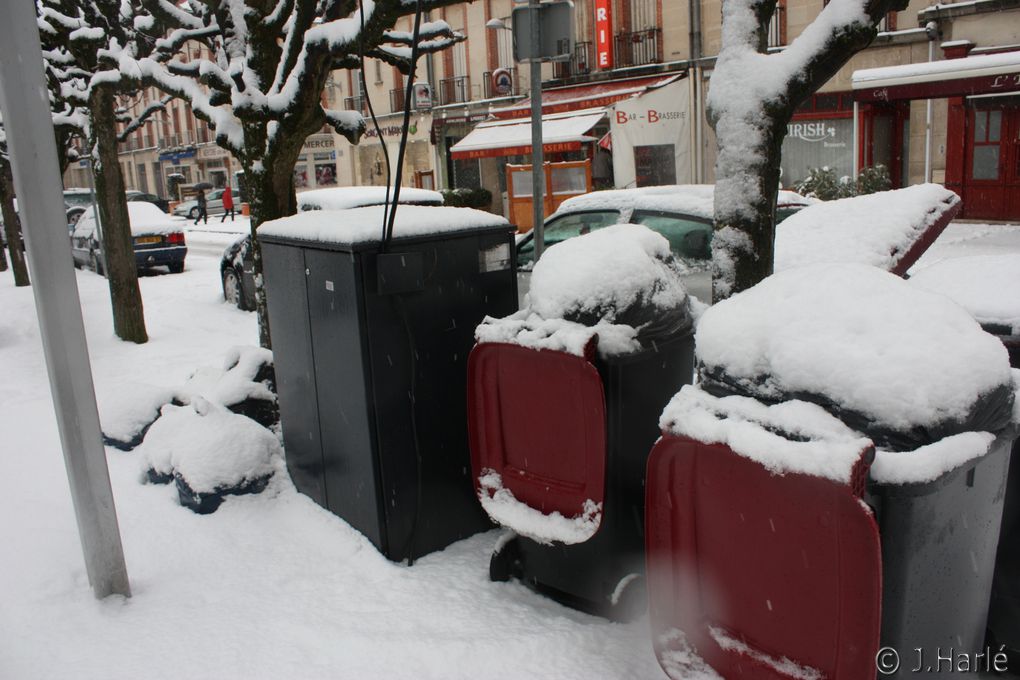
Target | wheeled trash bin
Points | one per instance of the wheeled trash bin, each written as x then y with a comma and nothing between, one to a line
834,484
371,340
563,401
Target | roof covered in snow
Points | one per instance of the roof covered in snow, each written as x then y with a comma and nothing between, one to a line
688,199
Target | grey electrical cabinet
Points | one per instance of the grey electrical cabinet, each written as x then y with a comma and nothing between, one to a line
371,346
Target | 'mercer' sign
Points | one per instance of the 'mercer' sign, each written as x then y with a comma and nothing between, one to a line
603,34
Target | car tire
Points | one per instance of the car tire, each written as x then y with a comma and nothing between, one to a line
176,267
193,214
232,291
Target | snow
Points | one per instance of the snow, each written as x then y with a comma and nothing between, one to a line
571,278
126,409
976,66
792,436
783,666
556,129
856,336
234,382
145,219
680,661
876,229
270,585
210,447
364,225
343,198
527,329
987,286
504,509
928,463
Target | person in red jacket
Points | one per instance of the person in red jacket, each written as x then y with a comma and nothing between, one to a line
228,204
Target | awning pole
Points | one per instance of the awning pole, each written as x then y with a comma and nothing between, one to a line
24,99
537,157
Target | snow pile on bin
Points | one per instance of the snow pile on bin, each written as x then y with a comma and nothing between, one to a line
904,366
619,287
889,229
987,286
209,452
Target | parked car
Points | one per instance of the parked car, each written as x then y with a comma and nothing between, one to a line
158,239
213,205
237,265
140,196
681,213
76,199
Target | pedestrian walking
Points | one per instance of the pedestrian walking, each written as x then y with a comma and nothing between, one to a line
202,214
228,204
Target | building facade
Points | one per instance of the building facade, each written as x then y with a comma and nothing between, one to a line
630,100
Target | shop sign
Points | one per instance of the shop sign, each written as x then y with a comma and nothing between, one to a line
422,96
211,151
321,142
176,156
502,81
603,34
814,131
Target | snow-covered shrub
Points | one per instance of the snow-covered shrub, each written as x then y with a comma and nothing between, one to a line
822,183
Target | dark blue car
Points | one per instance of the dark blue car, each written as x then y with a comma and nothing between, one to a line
158,239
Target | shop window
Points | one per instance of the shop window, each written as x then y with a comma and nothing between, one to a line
987,134
655,164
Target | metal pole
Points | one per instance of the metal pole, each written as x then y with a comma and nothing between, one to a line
537,157
26,115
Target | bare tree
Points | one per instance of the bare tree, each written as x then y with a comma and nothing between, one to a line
259,80
85,43
752,97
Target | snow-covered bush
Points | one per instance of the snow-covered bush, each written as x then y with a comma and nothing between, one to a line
822,183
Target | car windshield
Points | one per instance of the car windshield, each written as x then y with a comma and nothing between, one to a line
566,226
689,237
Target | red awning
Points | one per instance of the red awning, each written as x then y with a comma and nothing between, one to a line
560,132
587,96
982,74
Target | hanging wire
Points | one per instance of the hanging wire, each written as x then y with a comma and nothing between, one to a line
371,113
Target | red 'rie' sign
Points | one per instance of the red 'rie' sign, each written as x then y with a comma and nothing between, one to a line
603,34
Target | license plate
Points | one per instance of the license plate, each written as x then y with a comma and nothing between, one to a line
148,239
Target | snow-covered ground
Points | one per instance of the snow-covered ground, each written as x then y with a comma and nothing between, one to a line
269,586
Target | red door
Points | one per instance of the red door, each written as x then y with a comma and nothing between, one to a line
992,162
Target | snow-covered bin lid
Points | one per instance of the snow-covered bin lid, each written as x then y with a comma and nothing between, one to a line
624,274
904,366
987,286
792,436
890,229
527,329
364,226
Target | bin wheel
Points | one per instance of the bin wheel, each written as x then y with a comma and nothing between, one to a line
630,599
505,561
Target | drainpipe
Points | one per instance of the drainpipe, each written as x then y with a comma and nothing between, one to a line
694,18
932,29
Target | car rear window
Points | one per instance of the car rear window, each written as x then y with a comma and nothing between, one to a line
689,237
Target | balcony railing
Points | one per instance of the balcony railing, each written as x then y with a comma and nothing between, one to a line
354,103
777,27
581,63
175,140
454,90
397,98
638,48
490,89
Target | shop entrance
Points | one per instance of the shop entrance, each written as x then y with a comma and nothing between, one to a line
991,179
562,180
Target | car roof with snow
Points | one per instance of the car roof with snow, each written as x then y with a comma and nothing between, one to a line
689,199
145,218
342,198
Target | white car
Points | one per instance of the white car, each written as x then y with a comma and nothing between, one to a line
682,213
213,205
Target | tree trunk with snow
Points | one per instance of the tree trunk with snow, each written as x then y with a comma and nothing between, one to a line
12,225
118,245
752,97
